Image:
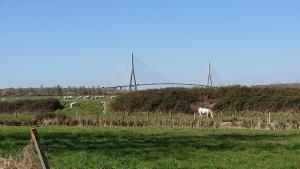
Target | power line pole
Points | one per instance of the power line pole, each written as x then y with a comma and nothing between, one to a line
209,79
132,75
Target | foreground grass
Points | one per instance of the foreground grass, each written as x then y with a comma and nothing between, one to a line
107,148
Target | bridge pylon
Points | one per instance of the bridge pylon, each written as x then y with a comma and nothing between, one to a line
132,82
209,79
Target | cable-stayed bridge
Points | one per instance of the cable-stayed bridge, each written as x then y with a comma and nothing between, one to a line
133,85
161,84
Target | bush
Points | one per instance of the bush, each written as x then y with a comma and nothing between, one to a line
233,98
24,106
167,100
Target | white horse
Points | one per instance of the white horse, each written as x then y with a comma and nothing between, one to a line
203,111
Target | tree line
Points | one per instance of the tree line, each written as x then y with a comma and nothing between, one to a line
58,91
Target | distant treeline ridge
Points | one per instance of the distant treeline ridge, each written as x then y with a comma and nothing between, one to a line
57,91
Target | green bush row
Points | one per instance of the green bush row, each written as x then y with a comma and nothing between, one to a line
233,98
32,106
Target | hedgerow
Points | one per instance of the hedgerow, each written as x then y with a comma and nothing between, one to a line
32,106
233,98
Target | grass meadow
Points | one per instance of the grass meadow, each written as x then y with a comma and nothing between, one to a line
156,148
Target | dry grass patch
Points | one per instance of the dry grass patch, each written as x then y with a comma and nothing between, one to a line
25,159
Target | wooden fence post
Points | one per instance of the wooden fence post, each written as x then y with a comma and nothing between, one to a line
77,113
98,118
147,116
39,148
221,116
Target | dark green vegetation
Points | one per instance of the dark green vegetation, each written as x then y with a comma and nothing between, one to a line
30,106
233,98
156,148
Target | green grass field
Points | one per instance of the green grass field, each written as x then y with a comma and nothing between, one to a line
157,148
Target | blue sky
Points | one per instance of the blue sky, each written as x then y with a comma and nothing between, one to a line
89,42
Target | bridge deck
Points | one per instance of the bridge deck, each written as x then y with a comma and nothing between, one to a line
159,84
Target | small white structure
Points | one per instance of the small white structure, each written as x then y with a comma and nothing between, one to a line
74,104
3,99
205,111
79,97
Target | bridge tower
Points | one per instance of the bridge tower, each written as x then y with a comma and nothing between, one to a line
209,79
132,76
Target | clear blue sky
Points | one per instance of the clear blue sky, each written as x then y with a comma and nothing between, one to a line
89,42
